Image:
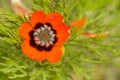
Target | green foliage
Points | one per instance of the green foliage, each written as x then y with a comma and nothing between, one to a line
83,55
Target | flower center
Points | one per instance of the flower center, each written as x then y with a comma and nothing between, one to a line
43,37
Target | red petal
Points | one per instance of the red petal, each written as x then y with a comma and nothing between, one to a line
31,52
54,55
63,33
24,30
37,17
79,22
53,18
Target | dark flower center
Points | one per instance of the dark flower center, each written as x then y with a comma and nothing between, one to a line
43,37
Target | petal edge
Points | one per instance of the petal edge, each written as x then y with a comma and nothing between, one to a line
31,52
62,34
54,55
24,30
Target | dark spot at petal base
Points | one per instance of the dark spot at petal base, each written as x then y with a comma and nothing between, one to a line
40,48
56,39
31,34
38,25
49,48
32,43
49,24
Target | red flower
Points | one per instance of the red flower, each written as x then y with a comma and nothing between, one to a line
44,36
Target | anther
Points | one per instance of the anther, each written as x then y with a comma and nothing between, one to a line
46,26
52,39
51,42
53,35
37,42
35,33
42,28
42,43
51,32
47,44
36,38
38,30
49,28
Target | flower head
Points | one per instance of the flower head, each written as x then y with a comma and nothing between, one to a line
44,36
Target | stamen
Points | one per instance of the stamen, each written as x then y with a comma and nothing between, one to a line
37,42
53,35
51,32
51,42
35,33
47,44
42,43
42,28
38,30
52,39
36,38
49,28
46,26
